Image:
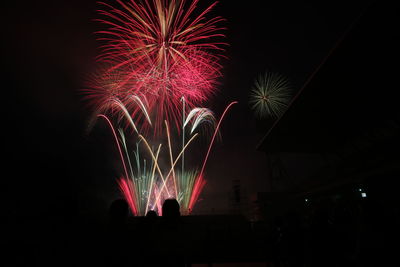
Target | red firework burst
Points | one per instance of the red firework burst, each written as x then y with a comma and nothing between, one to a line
163,52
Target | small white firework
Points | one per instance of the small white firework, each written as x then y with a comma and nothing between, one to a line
270,95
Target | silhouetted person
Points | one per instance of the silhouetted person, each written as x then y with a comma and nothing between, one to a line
151,214
171,209
171,233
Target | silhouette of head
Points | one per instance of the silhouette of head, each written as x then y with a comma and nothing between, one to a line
118,210
170,208
151,214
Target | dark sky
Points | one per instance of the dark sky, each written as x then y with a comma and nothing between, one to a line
49,50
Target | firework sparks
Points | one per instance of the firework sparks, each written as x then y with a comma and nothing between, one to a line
141,180
126,186
163,51
186,182
117,142
199,116
157,55
270,95
106,96
145,190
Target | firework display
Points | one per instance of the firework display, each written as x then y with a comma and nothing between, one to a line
159,64
162,51
270,95
145,185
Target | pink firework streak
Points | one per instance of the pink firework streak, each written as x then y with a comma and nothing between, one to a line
200,182
105,95
162,50
160,188
126,187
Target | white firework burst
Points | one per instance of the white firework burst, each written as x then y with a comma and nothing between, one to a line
270,95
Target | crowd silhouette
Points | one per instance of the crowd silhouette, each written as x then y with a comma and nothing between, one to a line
135,245
327,234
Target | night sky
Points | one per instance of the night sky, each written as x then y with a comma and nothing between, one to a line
53,166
